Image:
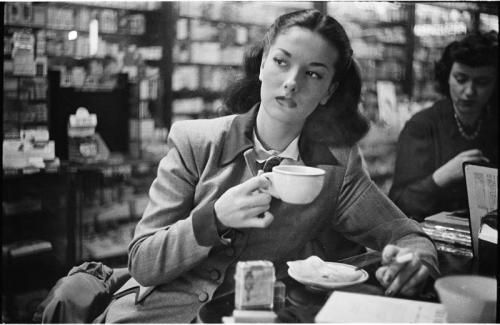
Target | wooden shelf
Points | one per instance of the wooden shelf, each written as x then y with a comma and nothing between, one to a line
223,21
107,5
68,29
221,65
197,93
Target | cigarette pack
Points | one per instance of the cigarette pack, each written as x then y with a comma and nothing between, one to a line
254,285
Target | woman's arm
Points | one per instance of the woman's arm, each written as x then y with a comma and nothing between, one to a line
414,190
365,215
173,234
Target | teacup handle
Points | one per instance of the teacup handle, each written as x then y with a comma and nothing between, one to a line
271,190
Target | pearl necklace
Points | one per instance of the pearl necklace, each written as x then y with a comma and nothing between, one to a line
462,130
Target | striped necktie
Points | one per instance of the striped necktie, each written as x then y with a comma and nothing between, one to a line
269,163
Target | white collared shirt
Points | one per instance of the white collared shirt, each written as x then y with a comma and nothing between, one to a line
290,155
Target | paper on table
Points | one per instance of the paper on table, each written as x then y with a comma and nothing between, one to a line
482,196
344,307
489,234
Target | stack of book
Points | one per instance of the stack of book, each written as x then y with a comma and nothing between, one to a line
451,233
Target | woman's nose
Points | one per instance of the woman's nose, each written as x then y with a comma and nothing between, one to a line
470,89
290,84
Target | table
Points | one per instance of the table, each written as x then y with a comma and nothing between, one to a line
303,303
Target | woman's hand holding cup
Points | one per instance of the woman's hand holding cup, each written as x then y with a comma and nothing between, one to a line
242,205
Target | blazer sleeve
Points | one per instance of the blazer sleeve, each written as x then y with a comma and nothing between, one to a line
413,190
173,234
367,216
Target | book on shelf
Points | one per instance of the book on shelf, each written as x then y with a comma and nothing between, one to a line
449,236
453,249
449,220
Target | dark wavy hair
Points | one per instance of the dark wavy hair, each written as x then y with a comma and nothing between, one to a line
474,50
338,122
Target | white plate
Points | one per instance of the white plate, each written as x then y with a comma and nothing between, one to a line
327,283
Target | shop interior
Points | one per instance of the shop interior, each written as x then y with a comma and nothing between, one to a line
91,89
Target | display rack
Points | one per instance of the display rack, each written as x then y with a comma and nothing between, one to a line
41,243
129,40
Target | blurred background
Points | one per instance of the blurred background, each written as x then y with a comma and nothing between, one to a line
74,185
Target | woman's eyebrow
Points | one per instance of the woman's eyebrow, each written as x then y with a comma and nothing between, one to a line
319,64
316,64
285,52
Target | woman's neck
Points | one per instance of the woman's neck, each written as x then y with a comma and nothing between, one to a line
273,134
470,119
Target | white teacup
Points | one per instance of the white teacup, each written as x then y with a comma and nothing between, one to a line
295,184
468,298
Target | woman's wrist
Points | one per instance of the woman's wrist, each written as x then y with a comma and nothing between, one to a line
221,228
439,178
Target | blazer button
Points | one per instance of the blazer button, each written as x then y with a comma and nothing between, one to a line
215,274
229,251
203,296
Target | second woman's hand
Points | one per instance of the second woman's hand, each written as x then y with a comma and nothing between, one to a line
241,205
452,170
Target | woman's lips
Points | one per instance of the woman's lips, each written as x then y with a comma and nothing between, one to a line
288,102
466,102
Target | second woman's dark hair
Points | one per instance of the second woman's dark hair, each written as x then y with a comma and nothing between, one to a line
474,50
339,121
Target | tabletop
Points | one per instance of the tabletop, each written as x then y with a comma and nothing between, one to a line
303,303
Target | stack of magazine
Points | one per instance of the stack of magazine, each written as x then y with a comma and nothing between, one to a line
450,232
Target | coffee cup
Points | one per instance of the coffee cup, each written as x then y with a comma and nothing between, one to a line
295,184
468,298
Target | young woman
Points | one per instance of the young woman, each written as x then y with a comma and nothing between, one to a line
463,127
298,101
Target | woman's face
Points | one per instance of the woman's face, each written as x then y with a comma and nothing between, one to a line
296,75
471,88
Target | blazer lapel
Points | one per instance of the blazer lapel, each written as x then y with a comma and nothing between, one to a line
251,160
239,137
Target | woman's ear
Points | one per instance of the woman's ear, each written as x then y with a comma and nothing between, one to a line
330,92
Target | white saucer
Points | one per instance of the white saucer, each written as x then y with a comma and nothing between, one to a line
326,284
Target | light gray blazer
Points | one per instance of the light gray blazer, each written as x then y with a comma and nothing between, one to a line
176,251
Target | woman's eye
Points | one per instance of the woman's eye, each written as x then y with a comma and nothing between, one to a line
280,62
483,82
460,80
314,75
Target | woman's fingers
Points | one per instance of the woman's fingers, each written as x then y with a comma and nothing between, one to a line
473,155
402,277
253,184
389,253
259,198
399,274
379,274
263,222
414,284
471,152
254,211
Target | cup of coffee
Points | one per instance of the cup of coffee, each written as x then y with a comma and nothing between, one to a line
295,184
468,298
